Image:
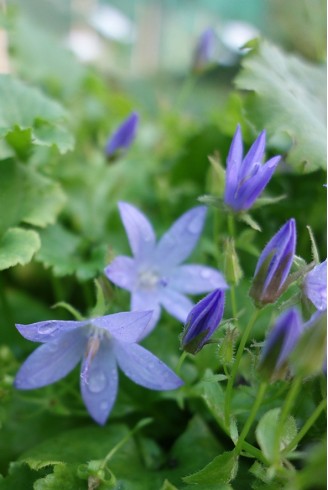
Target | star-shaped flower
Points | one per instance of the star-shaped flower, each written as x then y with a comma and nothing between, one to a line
247,177
155,276
103,344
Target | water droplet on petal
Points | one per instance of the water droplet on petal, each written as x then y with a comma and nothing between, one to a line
47,328
97,381
206,274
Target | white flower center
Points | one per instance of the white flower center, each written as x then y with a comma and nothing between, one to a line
150,279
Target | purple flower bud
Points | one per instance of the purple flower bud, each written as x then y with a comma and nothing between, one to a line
270,278
204,50
202,321
124,135
246,177
315,286
279,344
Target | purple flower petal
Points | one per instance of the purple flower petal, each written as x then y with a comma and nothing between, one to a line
122,272
52,361
175,303
196,279
202,321
179,241
144,368
251,189
143,300
123,136
48,330
246,178
315,286
99,385
126,326
234,160
138,229
255,155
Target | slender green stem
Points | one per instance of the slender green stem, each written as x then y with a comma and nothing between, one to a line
181,361
231,225
254,452
228,394
118,446
187,88
251,417
308,424
285,411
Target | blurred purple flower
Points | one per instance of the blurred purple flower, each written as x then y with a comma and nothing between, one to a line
103,344
280,342
204,50
315,286
124,135
155,276
246,177
270,278
202,321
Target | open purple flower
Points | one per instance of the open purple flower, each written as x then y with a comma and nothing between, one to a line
202,321
124,135
247,177
315,286
273,266
155,276
280,342
103,344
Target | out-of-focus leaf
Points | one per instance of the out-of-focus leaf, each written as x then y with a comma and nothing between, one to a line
27,108
17,246
67,253
20,477
288,99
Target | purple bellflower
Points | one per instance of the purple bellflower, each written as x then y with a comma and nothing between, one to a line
273,266
204,50
315,286
202,321
279,344
155,276
247,177
124,135
103,344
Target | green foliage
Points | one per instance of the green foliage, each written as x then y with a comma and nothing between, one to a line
266,433
288,99
26,108
17,246
60,226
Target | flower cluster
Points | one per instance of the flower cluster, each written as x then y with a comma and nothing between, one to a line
156,277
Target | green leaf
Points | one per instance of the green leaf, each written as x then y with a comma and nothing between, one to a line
20,477
17,246
67,253
11,190
213,396
63,477
26,108
266,431
288,99
247,218
168,486
222,469
44,199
